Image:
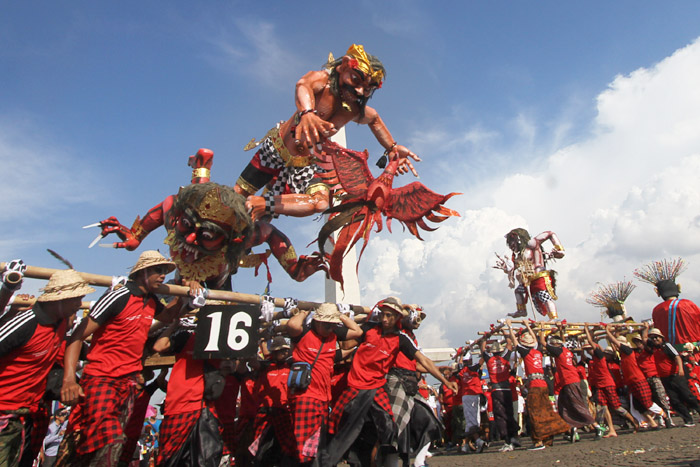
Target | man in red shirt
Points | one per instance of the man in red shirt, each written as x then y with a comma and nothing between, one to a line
572,404
408,397
677,319
497,361
365,397
315,343
187,400
118,323
633,377
447,403
670,369
603,383
29,344
646,363
471,395
274,421
545,423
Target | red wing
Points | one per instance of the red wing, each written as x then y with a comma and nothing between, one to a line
351,169
410,203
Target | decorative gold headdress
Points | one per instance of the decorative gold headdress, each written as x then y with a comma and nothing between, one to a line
362,63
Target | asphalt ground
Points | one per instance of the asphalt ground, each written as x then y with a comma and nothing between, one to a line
678,446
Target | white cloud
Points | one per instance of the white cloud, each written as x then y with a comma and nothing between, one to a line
36,170
254,48
623,195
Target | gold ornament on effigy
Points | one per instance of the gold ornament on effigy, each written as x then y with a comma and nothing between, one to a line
363,63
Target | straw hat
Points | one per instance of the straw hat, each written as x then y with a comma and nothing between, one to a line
553,340
527,340
635,337
622,339
327,313
64,284
496,347
149,259
655,332
278,343
394,304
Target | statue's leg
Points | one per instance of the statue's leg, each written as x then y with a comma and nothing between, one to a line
520,302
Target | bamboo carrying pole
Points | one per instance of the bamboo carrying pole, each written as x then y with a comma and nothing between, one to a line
35,272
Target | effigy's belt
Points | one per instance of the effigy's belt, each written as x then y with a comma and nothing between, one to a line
277,141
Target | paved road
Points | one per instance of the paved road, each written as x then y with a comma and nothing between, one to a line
678,446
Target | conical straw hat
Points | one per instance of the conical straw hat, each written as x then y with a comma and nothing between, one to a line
65,284
149,259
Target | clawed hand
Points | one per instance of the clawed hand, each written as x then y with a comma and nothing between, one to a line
312,131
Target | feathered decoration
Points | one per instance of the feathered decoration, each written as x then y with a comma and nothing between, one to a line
367,199
60,258
657,271
612,297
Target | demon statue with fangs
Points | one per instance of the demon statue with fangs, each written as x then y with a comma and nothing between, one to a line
210,233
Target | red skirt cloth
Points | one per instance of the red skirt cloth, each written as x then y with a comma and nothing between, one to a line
642,392
309,417
228,435
103,412
608,396
281,421
380,397
174,432
40,425
134,425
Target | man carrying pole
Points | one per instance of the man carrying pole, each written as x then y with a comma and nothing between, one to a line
119,323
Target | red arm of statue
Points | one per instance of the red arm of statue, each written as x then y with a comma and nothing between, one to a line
298,268
132,237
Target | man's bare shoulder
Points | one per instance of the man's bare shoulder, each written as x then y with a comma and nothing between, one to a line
314,78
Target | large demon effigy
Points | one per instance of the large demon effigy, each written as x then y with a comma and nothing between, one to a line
210,233
211,228
529,268
290,156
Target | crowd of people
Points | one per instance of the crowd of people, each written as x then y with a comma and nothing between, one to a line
637,382
322,388
325,385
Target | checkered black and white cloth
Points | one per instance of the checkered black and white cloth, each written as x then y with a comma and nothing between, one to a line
296,178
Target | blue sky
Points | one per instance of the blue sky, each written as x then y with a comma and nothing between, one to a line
547,115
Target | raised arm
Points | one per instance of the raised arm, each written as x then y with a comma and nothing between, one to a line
354,329
511,340
529,329
537,240
589,336
381,132
432,369
611,338
295,325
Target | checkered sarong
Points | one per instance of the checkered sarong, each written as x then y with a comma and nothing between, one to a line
295,179
380,397
174,432
310,415
401,404
280,420
608,396
642,392
659,393
103,413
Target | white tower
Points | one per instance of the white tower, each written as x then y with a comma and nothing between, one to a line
334,294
